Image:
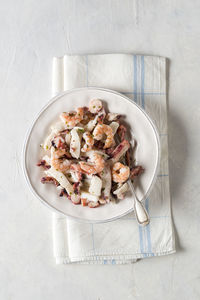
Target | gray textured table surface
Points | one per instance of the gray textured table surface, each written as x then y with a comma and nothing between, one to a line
32,32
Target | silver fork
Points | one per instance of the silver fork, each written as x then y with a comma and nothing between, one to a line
140,211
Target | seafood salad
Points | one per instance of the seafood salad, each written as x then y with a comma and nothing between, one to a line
88,156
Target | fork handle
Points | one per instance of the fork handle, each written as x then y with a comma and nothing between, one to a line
141,213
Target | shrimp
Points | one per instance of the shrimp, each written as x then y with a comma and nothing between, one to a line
120,172
77,169
72,119
99,132
58,159
95,106
97,164
89,142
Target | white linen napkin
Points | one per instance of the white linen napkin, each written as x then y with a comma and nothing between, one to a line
143,79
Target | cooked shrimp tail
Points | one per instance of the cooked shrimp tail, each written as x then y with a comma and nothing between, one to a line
120,172
101,130
96,165
58,159
89,142
72,119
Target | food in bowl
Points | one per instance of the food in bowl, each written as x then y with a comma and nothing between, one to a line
88,156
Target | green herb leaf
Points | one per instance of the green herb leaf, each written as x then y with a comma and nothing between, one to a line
81,130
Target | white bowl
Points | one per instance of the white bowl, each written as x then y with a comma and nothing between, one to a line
147,152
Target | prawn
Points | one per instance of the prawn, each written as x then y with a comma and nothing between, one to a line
120,172
58,159
77,169
99,132
89,142
72,119
97,164
95,106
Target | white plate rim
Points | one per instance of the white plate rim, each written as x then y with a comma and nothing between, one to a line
28,133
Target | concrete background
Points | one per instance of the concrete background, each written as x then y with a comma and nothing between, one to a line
31,33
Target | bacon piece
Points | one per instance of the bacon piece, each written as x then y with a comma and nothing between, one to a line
63,192
66,154
56,141
84,201
136,171
100,119
109,151
120,150
61,144
101,115
121,132
43,164
128,158
76,187
49,179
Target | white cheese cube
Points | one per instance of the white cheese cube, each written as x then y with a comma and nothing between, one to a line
89,196
95,186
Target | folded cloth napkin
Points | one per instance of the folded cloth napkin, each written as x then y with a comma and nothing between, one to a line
143,79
